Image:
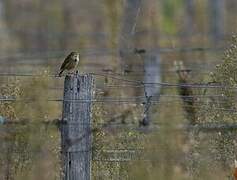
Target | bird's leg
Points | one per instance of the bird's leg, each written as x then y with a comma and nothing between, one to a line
75,70
71,73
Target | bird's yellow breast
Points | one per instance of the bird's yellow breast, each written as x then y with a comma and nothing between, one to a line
70,65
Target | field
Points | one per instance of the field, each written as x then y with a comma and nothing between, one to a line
164,100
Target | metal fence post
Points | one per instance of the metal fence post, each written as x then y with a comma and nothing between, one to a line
76,127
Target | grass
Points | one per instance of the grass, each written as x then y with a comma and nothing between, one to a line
166,153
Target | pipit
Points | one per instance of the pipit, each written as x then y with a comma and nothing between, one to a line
70,62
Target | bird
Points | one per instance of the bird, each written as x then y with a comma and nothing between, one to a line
70,62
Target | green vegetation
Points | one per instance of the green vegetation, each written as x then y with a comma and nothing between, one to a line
27,146
37,34
218,149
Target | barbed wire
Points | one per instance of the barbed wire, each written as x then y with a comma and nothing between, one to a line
103,51
94,64
138,99
155,98
99,68
138,83
164,84
132,74
109,124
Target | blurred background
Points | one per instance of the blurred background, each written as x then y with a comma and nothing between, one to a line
161,43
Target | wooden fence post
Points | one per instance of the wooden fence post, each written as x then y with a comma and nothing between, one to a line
186,92
126,39
152,74
76,131
217,10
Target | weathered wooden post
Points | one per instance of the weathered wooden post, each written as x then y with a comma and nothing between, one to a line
186,92
152,74
76,127
217,10
126,39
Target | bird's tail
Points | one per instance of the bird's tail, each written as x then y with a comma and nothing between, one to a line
60,73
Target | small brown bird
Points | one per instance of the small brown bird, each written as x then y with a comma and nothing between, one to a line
70,62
